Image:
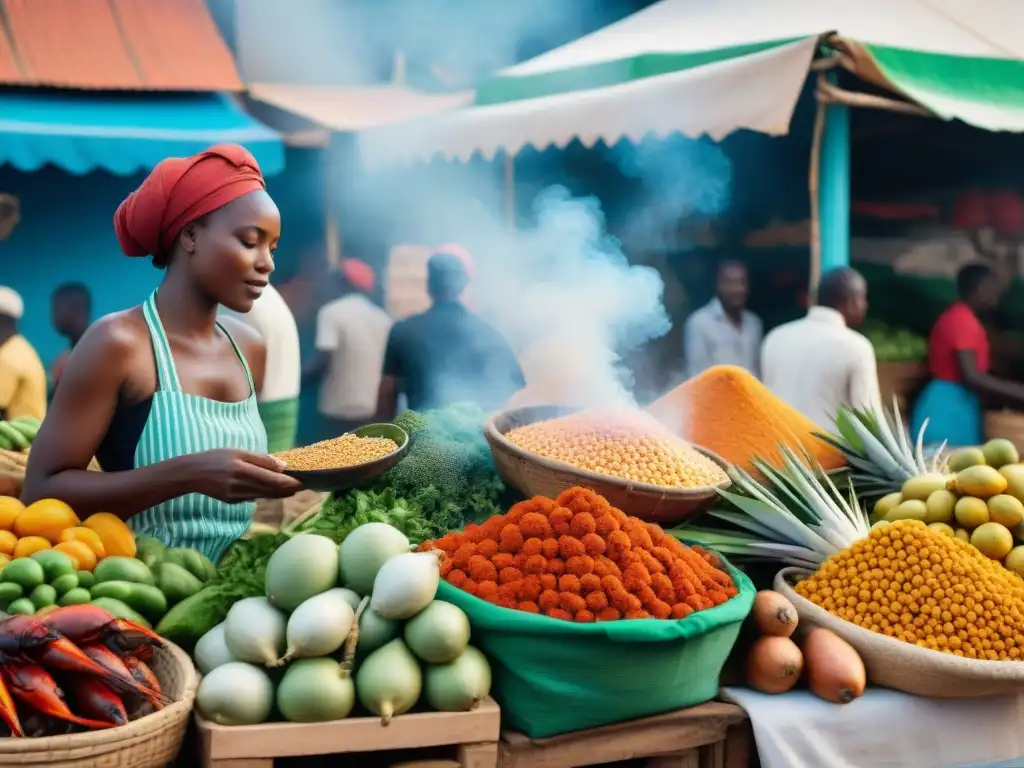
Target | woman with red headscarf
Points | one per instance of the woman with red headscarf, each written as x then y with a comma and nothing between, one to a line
164,394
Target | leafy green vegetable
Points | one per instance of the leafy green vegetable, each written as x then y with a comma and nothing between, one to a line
341,514
446,480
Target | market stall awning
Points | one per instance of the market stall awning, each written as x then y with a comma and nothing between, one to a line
150,45
356,109
124,133
757,91
960,61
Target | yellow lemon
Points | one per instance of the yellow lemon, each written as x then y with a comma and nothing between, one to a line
1015,560
940,506
29,545
10,508
961,534
887,504
946,530
88,537
47,518
1006,510
971,512
992,540
7,542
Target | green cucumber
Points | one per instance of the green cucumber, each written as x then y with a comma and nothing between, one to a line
55,563
123,569
176,582
76,596
43,595
22,606
24,571
64,584
9,591
146,599
121,611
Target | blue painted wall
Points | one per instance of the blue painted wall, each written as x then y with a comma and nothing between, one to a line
66,234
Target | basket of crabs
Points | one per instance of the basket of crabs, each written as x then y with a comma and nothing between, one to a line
82,688
624,454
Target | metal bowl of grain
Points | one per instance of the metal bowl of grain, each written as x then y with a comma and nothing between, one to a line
533,474
348,461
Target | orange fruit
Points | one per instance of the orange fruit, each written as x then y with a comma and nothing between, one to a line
10,508
118,539
29,545
80,553
88,537
4,560
46,518
7,542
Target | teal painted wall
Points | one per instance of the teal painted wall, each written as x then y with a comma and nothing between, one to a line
66,234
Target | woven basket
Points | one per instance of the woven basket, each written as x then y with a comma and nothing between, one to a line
152,741
1008,424
905,667
534,475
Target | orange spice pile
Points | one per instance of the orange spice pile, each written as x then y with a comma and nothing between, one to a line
727,410
578,558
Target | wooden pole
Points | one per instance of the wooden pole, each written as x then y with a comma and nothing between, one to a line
814,186
510,191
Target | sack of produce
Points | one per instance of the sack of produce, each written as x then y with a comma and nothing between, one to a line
557,671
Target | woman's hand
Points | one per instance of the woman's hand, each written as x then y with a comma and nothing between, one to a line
232,475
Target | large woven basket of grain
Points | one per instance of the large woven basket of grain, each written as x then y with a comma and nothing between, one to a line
152,741
1008,424
535,475
904,667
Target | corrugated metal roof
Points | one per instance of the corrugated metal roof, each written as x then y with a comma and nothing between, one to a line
116,45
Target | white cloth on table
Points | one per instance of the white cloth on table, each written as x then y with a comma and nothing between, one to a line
883,729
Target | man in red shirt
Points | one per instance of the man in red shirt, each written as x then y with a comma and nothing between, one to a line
958,359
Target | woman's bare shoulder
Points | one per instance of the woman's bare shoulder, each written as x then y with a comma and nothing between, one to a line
119,333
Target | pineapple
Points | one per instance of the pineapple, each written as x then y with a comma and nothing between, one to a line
879,450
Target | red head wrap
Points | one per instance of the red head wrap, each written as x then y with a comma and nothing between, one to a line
359,274
179,190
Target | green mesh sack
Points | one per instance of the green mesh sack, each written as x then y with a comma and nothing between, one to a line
553,676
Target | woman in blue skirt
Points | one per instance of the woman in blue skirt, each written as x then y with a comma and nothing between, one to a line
958,360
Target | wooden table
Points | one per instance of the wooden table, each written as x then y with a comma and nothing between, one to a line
687,738
473,735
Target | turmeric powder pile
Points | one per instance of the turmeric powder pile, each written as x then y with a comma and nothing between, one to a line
727,410
915,584
620,443
577,558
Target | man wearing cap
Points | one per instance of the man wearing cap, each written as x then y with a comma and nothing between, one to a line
351,332
447,354
22,375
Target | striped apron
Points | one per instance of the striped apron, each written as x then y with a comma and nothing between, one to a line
181,424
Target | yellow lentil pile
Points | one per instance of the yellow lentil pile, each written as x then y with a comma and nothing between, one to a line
922,587
345,451
625,444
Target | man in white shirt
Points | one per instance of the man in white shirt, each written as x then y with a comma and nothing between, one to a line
724,331
278,400
819,362
351,335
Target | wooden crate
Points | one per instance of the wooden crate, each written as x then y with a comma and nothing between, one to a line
475,735
686,738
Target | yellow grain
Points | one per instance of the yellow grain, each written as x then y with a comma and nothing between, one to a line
624,444
345,451
922,587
